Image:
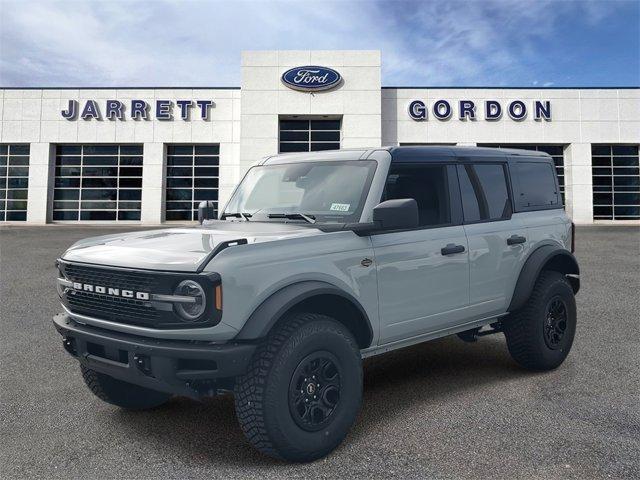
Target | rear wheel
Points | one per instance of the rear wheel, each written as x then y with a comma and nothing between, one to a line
122,394
303,389
540,335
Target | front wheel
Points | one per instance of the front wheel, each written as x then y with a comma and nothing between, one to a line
303,389
540,334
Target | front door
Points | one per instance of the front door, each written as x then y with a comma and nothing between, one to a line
423,274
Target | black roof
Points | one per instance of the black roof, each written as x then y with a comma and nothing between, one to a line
428,153
409,154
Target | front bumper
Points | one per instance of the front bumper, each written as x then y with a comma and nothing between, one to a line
193,369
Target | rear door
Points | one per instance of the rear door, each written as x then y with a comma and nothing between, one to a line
497,239
423,273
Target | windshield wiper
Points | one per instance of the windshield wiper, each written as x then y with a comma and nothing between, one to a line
244,215
294,216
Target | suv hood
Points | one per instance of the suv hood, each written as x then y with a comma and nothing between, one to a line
176,249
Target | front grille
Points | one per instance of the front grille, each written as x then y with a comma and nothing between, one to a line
133,310
113,308
109,307
136,281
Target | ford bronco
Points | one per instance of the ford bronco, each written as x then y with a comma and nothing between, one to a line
317,261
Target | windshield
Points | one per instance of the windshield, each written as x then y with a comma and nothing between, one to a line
324,191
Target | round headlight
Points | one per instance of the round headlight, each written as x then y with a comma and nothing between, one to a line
191,311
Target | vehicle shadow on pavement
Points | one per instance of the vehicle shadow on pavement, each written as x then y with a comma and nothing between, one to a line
207,433
430,374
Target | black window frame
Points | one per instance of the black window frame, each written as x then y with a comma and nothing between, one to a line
508,180
452,189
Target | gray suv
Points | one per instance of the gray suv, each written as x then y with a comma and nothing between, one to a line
318,261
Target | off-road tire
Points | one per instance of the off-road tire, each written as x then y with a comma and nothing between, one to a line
525,329
262,395
122,394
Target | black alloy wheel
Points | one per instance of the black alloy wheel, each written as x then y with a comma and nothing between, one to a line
555,322
314,391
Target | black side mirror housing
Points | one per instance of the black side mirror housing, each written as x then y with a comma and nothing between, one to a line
207,211
399,214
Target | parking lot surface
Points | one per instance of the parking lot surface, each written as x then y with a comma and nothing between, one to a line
444,409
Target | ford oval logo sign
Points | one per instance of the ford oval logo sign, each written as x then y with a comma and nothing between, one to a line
311,78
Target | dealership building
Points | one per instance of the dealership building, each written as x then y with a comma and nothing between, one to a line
150,155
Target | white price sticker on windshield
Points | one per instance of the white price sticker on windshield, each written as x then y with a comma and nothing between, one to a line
340,207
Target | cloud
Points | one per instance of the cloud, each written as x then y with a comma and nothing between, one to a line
198,43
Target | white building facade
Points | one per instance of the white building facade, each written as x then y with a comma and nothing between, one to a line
150,155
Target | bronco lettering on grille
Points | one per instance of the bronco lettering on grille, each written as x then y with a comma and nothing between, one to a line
116,292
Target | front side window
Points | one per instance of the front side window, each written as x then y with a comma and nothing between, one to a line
484,192
325,191
427,185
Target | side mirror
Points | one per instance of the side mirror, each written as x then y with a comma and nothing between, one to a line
397,214
207,211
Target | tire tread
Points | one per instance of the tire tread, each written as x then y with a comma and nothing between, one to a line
520,327
250,389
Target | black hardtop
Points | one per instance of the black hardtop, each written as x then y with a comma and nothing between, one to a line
435,153
411,154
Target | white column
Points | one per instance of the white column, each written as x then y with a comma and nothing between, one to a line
578,182
153,183
41,174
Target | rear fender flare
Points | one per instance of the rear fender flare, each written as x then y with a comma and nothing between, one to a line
547,257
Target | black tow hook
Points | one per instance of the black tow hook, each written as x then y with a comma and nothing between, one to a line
69,344
143,363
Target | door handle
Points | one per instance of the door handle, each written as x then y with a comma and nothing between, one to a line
516,239
452,249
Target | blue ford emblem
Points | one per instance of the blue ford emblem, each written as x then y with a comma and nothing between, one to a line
311,78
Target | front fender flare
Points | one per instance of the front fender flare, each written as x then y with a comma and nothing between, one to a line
546,256
265,316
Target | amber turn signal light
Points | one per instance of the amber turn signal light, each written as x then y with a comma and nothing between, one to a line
218,303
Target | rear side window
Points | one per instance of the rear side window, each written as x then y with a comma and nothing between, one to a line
484,192
537,184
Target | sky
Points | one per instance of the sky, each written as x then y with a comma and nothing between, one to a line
189,43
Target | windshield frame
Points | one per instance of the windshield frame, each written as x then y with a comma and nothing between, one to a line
320,218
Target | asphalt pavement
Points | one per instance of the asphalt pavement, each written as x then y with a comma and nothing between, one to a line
444,409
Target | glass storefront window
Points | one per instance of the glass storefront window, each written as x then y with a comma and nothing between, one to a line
616,182
97,182
14,182
192,176
309,135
